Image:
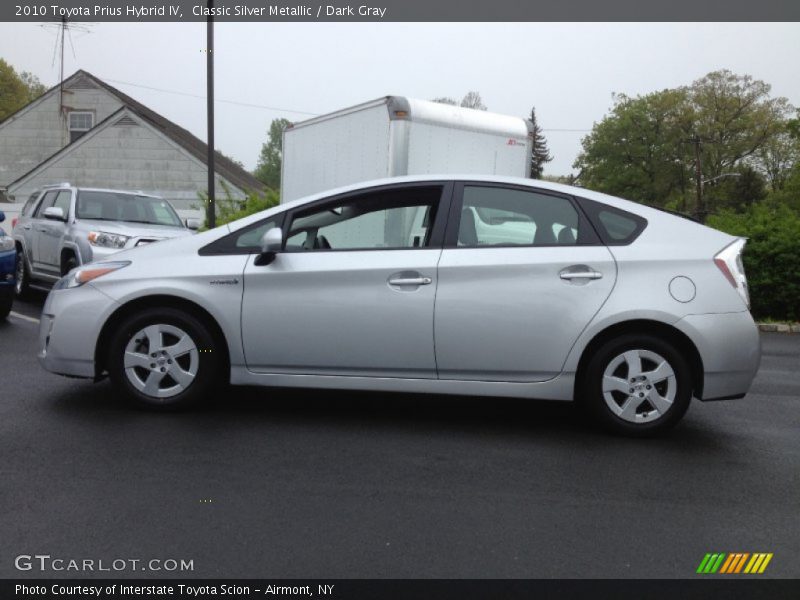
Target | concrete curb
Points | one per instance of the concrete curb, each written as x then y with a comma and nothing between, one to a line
779,327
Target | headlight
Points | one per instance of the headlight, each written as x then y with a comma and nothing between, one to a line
107,240
77,277
6,243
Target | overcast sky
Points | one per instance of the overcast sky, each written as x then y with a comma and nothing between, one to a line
568,71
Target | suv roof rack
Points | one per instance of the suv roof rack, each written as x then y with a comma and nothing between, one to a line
57,185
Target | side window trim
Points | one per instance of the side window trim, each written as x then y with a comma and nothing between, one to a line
440,218
586,232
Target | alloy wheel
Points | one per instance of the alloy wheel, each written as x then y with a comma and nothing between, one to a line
639,386
161,360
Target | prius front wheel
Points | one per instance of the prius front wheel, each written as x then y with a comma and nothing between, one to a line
163,358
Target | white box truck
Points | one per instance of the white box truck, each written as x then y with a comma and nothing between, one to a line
395,136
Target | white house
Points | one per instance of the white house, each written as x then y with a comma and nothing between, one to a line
88,133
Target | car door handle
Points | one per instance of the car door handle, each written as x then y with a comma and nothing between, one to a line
26,227
411,281
42,230
569,275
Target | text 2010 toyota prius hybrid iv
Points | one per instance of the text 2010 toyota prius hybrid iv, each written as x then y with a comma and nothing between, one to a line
474,285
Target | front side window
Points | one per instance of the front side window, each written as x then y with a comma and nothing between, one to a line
496,216
47,202
62,201
386,219
79,123
245,241
114,206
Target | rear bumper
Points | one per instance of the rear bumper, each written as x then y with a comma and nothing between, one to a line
730,348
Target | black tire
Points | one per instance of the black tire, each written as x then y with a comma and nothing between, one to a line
644,419
6,300
208,367
22,288
70,263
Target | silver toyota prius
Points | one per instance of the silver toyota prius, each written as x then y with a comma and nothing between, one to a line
458,285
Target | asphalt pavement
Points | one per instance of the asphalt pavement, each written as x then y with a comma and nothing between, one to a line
308,484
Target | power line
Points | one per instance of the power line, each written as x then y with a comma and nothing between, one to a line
155,89
276,108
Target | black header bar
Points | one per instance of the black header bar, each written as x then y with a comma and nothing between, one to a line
403,10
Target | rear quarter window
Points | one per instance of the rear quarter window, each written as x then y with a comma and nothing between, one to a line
615,227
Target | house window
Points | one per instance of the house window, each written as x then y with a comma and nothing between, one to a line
79,123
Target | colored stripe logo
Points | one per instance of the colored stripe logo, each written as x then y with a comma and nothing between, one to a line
735,562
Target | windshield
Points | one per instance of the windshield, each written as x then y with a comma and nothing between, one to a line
117,206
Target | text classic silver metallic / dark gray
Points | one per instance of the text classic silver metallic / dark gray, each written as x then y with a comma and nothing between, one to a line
459,285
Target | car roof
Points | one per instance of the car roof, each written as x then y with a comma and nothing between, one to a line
66,186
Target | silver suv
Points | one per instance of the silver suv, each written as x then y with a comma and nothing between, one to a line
63,226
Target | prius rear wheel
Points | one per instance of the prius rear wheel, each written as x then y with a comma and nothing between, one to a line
638,385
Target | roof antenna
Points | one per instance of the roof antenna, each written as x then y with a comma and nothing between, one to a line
64,29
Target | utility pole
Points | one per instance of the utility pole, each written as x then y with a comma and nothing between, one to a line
61,71
212,212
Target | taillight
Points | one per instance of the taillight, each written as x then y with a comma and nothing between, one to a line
14,222
729,261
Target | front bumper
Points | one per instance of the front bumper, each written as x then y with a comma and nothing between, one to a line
69,328
730,348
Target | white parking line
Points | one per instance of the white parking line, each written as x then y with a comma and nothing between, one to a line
24,317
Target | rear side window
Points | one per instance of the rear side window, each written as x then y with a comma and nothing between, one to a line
501,216
616,227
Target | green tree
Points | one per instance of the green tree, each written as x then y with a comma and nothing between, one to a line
771,256
17,90
637,150
14,94
228,208
648,147
35,87
742,190
789,194
470,100
268,168
540,154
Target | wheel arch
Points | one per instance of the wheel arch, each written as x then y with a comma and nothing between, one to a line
667,332
157,301
64,256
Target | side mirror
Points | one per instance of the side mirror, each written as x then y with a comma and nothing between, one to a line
193,224
271,244
54,213
2,216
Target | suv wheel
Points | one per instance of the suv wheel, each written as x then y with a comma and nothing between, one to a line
22,287
638,385
163,358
